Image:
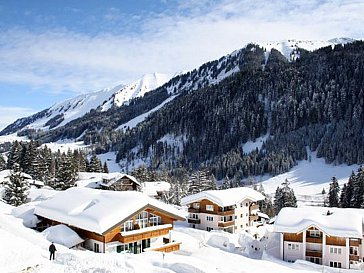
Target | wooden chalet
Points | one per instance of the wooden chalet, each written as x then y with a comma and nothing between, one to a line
111,221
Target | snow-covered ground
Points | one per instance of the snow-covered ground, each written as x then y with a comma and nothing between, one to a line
308,179
64,145
25,250
12,138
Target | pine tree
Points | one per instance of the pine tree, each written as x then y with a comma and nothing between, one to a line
347,192
333,195
95,164
66,174
2,163
284,197
226,184
105,168
358,189
14,155
16,189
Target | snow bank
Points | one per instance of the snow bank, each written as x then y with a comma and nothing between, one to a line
63,235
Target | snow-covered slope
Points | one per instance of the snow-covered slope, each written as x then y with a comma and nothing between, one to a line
68,110
308,178
288,48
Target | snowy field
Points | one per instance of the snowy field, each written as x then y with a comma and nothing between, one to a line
24,250
308,178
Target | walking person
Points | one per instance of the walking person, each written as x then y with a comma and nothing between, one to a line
52,250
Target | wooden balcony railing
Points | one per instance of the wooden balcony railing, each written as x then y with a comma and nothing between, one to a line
193,210
226,224
314,253
253,217
353,257
354,242
226,212
254,207
193,221
317,240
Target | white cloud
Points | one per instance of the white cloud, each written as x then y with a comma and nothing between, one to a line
170,42
10,114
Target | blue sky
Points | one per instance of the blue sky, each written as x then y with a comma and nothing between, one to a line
53,50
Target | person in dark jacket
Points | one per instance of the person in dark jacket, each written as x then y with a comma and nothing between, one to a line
52,250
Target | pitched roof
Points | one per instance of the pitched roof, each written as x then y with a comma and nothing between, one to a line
338,222
99,210
226,197
114,177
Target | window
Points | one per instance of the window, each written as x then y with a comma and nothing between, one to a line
315,233
154,220
196,205
241,205
335,264
354,250
210,207
241,226
335,250
241,215
209,228
209,218
127,226
236,217
96,247
293,246
247,204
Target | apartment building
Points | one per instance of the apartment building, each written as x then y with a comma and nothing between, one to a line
328,236
230,210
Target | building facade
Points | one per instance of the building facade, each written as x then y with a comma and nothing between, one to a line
120,182
330,237
111,221
230,210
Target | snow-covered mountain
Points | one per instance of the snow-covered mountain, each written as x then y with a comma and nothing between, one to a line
289,48
68,110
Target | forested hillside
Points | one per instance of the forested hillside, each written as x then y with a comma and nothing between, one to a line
315,102
312,103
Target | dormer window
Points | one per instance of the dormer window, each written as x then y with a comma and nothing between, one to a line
315,233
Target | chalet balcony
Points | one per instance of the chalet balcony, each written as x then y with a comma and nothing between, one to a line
144,233
355,242
254,207
226,212
194,221
316,240
193,210
253,217
226,224
353,257
314,253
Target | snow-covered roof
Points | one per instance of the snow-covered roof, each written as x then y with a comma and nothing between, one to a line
113,177
226,197
338,222
152,188
262,215
63,235
99,210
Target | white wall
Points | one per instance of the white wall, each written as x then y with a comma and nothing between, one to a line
290,254
242,223
89,244
335,257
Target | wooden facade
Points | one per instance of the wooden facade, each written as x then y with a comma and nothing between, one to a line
170,247
115,233
335,241
293,237
123,183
